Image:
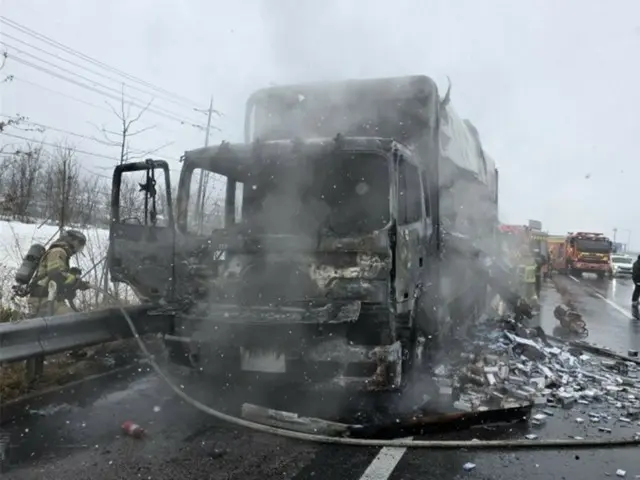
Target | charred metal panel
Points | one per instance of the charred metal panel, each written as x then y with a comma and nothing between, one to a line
234,314
387,107
238,240
251,279
387,360
409,259
142,258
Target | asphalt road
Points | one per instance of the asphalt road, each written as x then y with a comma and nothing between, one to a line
78,436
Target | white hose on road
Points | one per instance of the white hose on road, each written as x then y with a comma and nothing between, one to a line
434,444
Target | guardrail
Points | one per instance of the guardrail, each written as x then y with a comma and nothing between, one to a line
39,337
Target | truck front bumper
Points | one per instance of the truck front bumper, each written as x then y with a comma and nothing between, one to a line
292,343
591,267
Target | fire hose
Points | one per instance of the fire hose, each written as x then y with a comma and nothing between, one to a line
399,443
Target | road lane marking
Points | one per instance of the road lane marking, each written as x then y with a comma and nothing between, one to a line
611,303
574,279
385,463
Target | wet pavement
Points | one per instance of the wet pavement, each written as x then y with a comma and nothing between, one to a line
606,306
79,436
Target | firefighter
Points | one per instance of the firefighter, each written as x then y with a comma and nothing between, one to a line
538,258
54,267
550,257
635,276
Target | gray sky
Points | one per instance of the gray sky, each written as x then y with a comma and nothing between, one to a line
551,85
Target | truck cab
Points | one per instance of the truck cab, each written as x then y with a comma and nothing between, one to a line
312,250
329,234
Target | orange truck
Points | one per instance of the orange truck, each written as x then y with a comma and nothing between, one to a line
587,252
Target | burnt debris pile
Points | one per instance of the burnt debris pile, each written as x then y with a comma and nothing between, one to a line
507,364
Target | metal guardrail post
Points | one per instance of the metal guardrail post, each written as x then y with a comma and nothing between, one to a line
34,367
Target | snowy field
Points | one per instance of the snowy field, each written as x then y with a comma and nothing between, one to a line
17,237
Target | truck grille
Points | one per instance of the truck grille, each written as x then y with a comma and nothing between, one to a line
282,282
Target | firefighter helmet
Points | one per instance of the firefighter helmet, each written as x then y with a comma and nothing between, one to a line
76,239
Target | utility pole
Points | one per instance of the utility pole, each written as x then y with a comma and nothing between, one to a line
200,196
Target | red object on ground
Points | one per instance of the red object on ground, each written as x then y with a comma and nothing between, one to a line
132,429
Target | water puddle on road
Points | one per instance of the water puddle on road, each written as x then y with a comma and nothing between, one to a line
51,410
135,389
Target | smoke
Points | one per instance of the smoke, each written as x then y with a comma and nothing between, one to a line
299,202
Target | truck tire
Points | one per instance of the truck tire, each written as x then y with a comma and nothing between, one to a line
601,275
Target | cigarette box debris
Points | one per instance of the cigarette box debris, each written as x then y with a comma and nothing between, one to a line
469,466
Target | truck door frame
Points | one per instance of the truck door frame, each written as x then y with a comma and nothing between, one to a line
138,253
410,234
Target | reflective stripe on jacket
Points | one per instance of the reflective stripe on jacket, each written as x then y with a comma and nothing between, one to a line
55,266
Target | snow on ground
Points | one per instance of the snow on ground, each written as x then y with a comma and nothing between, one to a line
17,237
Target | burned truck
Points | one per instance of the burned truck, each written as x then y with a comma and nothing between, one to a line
315,250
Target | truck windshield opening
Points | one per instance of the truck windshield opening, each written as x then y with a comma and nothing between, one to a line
593,246
341,194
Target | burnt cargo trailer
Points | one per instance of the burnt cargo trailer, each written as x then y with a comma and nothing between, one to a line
320,263
406,109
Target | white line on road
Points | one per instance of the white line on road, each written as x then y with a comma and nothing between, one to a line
385,463
613,304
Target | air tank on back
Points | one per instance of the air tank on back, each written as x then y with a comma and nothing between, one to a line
29,264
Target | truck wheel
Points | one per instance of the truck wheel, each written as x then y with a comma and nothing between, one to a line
600,275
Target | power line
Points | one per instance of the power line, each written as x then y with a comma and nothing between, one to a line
55,129
41,142
105,94
93,72
70,97
79,135
51,90
76,53
81,167
161,110
82,67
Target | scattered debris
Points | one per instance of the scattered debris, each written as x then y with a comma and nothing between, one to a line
506,364
469,466
621,473
292,421
133,429
217,453
571,320
540,417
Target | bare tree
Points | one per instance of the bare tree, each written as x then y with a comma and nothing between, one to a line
61,184
11,121
87,201
20,174
127,121
3,61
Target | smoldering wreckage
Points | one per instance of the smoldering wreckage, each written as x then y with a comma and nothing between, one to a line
357,245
